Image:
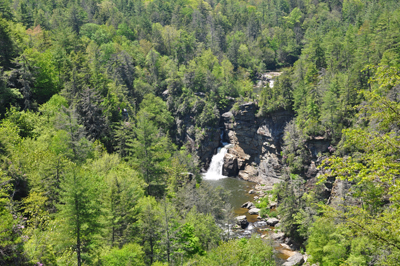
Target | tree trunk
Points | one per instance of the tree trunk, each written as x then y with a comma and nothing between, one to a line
78,233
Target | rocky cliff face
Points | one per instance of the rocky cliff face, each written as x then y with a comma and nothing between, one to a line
257,143
204,144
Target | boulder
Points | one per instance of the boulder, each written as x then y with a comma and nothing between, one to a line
295,260
248,205
272,204
242,221
165,94
249,174
272,221
252,191
278,236
254,211
230,167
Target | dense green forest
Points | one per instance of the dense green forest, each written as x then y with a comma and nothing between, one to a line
97,97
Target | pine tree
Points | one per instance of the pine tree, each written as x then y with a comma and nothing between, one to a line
148,151
23,78
91,114
80,210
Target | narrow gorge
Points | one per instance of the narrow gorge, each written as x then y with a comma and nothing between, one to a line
248,162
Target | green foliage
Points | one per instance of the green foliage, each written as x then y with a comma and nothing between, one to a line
128,255
156,111
79,211
47,80
190,242
10,228
327,244
139,77
264,203
237,252
149,152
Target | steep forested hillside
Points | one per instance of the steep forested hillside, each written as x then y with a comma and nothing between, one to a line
105,104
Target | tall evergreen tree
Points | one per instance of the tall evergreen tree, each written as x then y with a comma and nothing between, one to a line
80,211
91,115
148,151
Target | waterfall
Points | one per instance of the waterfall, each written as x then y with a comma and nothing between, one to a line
214,172
271,83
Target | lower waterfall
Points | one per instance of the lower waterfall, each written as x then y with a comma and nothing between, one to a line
214,172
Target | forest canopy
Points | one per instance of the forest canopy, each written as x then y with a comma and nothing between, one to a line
104,103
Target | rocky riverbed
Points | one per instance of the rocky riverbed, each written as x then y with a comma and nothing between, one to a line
268,228
244,197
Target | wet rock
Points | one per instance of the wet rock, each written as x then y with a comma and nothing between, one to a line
230,167
251,191
272,221
295,260
254,211
248,205
242,221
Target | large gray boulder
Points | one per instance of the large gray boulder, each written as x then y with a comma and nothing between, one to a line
254,211
248,205
278,236
242,221
230,167
272,221
295,260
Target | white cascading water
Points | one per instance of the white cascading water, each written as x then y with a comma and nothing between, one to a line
214,172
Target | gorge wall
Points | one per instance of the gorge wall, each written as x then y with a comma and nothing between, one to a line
257,143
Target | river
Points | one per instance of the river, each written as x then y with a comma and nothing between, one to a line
238,195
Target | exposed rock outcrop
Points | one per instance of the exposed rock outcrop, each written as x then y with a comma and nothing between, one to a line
208,146
272,221
250,173
278,236
230,167
257,142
